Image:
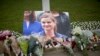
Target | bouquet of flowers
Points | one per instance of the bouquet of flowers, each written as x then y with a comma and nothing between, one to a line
81,37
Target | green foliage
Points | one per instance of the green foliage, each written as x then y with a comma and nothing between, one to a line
23,44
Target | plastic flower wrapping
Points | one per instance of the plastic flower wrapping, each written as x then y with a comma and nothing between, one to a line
35,45
23,42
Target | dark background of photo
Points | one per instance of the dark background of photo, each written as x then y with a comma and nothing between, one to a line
11,11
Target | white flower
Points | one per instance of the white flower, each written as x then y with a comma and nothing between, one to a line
77,30
81,47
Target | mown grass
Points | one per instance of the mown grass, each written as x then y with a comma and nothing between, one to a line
11,11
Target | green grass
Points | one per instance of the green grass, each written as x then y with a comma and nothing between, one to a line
85,10
11,11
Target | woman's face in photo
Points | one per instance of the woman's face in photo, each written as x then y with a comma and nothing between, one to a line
47,24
